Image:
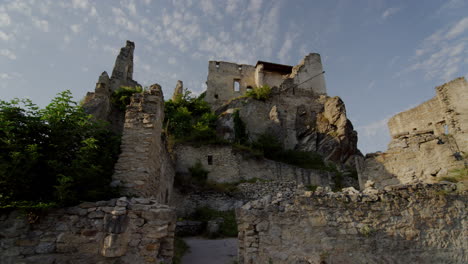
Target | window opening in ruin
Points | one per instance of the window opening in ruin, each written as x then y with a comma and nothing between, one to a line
236,85
240,67
217,64
167,197
249,88
446,130
216,96
210,159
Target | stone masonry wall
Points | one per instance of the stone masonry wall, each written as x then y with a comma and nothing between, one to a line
428,141
403,224
229,165
126,231
144,167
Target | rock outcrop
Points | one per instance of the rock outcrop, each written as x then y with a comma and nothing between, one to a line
178,90
428,141
313,123
404,224
98,104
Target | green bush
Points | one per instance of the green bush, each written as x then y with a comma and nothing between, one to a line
180,248
199,174
260,93
120,98
190,119
56,155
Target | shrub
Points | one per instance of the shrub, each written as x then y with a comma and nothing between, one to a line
53,156
199,174
190,119
260,93
120,98
180,248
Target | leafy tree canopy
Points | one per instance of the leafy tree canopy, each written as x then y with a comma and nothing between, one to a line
56,155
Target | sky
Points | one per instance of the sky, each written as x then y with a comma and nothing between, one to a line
381,57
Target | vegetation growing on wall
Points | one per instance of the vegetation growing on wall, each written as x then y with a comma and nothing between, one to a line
120,98
53,156
189,119
261,93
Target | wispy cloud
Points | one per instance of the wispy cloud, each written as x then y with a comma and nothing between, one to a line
5,19
4,36
441,54
7,53
41,24
390,12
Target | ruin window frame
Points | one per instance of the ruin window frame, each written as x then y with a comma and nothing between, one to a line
236,88
209,159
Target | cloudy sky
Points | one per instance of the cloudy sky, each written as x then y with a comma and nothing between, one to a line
381,57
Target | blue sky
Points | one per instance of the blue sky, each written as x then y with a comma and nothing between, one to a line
381,57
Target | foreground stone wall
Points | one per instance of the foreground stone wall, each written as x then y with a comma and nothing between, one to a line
144,167
135,230
225,164
404,224
428,141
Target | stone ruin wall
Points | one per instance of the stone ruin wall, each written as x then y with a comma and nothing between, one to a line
229,165
428,141
306,79
144,167
139,230
98,103
404,224
220,82
126,231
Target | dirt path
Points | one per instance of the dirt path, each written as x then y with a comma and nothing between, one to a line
210,251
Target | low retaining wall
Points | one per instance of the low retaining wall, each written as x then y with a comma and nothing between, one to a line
404,224
136,230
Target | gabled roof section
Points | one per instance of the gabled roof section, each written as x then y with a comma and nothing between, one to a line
274,67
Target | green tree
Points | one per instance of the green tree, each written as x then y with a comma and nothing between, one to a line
56,154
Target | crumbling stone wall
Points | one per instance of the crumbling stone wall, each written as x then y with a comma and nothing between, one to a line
229,165
98,104
404,224
144,167
135,230
306,79
427,141
220,82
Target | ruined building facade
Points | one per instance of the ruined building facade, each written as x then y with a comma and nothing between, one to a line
227,80
428,141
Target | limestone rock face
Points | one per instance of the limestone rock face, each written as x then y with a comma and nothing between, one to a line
306,123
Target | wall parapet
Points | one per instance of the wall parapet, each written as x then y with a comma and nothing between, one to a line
402,224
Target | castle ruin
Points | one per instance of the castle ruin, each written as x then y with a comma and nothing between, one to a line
401,214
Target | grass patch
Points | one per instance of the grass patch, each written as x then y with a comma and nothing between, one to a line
456,175
311,188
180,248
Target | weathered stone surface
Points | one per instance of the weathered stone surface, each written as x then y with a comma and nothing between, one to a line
122,238
427,141
308,123
407,224
178,90
98,103
226,164
144,167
